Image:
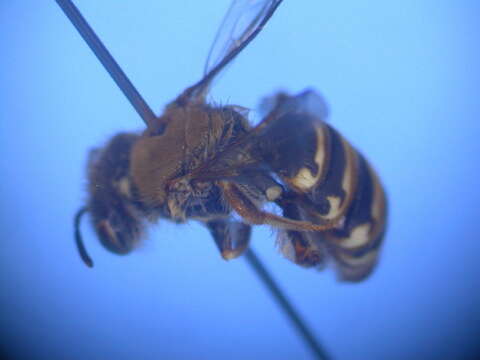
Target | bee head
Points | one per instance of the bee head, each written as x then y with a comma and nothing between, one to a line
115,213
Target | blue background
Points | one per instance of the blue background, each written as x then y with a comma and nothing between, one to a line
402,81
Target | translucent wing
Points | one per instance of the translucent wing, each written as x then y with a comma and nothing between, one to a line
242,19
308,101
242,23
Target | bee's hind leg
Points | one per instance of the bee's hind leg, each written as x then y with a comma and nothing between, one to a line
249,211
232,237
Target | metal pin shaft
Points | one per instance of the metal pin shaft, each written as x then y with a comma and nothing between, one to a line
107,60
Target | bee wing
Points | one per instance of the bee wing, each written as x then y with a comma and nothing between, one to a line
277,135
243,19
242,23
307,102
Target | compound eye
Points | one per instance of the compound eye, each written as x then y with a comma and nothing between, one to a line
119,234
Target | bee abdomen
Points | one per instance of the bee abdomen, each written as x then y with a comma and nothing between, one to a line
355,244
332,194
294,148
342,189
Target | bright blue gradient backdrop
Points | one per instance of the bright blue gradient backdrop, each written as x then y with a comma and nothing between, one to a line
402,80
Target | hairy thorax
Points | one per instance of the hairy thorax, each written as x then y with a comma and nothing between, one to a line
163,166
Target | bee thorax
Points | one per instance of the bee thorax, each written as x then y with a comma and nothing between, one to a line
187,198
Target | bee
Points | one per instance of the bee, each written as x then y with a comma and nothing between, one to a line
207,162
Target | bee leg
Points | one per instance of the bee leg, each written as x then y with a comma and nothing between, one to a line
232,237
252,214
303,248
260,183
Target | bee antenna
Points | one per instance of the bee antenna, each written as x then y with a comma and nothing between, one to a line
78,237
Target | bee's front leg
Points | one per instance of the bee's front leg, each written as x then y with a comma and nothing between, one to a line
232,237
